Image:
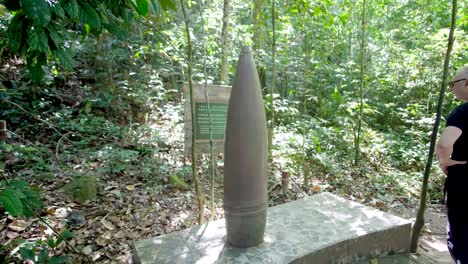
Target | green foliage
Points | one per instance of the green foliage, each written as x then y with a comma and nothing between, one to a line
177,182
18,198
37,21
142,7
10,199
39,251
82,188
116,160
90,17
38,11
72,9
28,157
37,40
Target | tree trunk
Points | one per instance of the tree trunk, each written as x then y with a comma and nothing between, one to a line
223,75
304,109
205,77
361,86
418,225
256,19
273,79
200,196
98,58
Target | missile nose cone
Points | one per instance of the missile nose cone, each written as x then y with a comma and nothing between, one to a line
246,49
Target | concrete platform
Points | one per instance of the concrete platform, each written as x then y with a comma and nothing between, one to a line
407,259
323,228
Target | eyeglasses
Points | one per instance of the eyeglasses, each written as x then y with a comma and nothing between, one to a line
451,84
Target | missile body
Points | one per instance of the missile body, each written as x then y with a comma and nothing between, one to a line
246,157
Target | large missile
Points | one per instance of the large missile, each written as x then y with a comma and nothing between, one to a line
246,157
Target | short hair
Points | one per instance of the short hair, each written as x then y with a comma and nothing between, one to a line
462,73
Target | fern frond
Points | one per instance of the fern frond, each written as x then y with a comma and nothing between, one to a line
10,199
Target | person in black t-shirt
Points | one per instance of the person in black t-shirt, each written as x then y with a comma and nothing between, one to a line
452,155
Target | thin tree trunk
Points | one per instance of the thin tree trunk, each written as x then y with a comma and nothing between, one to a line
223,75
205,76
351,35
273,80
418,225
361,86
304,112
256,18
98,57
200,197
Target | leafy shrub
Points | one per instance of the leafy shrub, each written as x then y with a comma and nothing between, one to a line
115,159
38,251
30,156
18,198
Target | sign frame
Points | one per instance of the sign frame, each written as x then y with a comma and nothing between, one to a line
217,95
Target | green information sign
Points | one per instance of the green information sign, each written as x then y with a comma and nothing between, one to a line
218,120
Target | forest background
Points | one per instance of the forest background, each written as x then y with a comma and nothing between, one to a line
91,93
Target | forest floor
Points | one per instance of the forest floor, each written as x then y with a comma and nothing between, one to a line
128,212
128,209
433,242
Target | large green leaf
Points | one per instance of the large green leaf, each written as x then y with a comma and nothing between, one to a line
116,29
58,260
167,4
58,10
35,62
72,9
90,16
15,37
65,235
65,58
19,184
55,36
43,255
142,7
27,253
38,11
10,200
38,40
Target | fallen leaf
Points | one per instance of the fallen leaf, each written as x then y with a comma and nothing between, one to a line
51,210
87,250
102,241
107,224
116,193
107,235
12,235
114,219
19,225
130,187
316,188
119,235
96,256
380,205
110,187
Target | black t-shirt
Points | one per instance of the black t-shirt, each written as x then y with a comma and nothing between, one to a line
459,118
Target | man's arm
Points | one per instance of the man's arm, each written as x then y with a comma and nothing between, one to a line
444,147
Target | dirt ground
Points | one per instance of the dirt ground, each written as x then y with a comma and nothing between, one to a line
433,242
